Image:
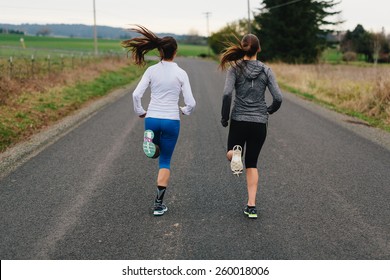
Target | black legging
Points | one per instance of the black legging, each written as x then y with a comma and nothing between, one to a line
252,135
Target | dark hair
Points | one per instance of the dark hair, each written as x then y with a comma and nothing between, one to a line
139,46
249,45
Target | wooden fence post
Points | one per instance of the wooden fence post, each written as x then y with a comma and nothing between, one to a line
48,63
11,66
62,62
32,64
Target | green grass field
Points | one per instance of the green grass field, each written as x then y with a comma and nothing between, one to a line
10,45
334,56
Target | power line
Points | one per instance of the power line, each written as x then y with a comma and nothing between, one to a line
249,19
94,29
207,19
208,32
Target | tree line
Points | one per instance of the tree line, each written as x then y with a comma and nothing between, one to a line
373,46
299,31
10,31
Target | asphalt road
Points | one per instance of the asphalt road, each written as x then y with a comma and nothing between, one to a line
324,189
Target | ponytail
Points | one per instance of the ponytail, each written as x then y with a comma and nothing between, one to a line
231,54
139,46
249,45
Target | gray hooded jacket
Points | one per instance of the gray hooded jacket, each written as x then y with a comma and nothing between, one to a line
249,79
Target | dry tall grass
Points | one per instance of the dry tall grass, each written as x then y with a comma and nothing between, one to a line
365,90
11,88
28,105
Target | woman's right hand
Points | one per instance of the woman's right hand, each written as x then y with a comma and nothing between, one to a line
224,122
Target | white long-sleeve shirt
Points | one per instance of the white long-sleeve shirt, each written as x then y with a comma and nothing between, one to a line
166,80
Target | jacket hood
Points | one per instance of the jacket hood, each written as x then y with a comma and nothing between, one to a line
251,69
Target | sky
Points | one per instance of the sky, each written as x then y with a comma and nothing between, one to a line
174,16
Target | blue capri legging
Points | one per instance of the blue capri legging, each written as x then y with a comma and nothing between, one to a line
166,133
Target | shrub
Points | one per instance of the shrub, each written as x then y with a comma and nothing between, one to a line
349,56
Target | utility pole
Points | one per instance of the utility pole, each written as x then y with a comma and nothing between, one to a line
208,32
249,19
94,29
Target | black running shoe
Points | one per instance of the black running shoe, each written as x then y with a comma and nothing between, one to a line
159,209
251,212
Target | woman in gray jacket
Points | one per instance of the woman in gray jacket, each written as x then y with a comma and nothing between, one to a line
249,117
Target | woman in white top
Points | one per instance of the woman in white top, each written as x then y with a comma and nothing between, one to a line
162,118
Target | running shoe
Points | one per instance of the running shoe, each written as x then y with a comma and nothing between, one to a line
159,209
236,162
150,149
251,212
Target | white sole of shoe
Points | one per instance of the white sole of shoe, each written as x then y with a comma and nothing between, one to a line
236,162
160,212
148,146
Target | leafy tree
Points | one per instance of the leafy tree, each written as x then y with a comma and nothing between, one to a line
294,31
361,42
347,44
230,33
374,47
380,47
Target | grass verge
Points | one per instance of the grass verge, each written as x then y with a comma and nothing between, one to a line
361,92
375,122
28,112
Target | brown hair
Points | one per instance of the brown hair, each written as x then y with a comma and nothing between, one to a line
249,45
139,46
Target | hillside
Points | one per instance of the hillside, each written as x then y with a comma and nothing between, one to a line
72,30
